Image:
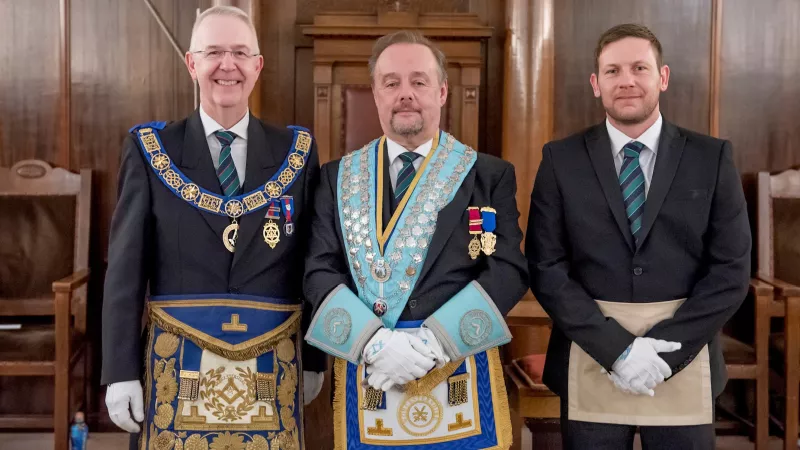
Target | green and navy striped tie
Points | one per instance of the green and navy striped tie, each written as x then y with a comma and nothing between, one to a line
406,175
631,181
226,172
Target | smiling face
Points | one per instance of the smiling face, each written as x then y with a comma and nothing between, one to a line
225,81
408,92
629,81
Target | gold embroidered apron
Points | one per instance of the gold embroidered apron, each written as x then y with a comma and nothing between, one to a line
684,399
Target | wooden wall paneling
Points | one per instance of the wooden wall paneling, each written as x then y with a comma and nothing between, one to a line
323,79
277,41
64,46
759,95
307,9
304,87
29,81
716,49
682,26
492,13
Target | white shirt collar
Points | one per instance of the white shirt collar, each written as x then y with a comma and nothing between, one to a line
396,149
649,138
239,129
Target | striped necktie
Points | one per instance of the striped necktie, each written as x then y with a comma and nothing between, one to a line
226,172
406,175
631,182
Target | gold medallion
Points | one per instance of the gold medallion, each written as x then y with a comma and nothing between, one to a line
474,248
271,233
488,242
230,235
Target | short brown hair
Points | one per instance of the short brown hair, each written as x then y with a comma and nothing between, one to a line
623,31
407,37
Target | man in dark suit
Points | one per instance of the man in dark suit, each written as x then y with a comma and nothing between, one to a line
223,281
414,259
638,247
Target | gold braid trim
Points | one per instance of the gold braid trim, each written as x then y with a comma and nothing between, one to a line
339,407
435,377
240,352
502,413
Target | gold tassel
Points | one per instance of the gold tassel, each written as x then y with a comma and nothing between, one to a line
372,399
265,387
190,385
457,392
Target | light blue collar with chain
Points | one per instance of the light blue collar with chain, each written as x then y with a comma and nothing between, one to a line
386,264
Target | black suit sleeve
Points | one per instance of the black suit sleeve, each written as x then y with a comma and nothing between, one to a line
505,273
326,266
723,286
314,359
574,312
131,238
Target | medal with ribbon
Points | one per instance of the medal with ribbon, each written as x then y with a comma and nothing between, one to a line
475,229
488,238
287,204
271,232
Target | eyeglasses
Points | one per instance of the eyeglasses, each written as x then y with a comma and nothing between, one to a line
216,55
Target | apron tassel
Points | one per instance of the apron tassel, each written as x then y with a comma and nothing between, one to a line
190,385
265,387
457,389
373,398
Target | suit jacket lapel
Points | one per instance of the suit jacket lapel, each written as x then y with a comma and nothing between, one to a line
262,160
449,217
599,146
195,162
670,149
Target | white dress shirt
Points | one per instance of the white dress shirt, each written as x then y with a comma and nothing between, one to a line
238,147
647,157
396,164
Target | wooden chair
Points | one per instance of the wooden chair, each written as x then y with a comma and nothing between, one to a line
530,400
778,224
44,250
345,116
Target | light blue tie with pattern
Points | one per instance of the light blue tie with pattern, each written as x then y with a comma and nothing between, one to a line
631,182
226,172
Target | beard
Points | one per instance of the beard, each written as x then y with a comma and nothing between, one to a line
633,117
408,129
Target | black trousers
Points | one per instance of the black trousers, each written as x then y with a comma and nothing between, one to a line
576,435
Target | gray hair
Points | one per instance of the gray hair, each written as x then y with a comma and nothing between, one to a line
407,37
220,10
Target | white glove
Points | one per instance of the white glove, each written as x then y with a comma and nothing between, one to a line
121,399
400,356
429,339
312,384
642,368
621,384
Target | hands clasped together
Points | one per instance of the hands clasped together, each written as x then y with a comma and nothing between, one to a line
639,369
395,357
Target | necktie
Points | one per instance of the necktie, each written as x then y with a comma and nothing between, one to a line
226,172
631,182
405,176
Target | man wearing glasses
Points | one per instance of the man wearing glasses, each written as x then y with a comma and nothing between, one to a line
211,226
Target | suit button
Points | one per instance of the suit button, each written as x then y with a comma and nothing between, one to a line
637,271
412,303
233,290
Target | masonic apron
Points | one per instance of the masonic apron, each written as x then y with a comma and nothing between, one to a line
685,399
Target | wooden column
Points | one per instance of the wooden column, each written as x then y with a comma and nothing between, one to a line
65,132
528,96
